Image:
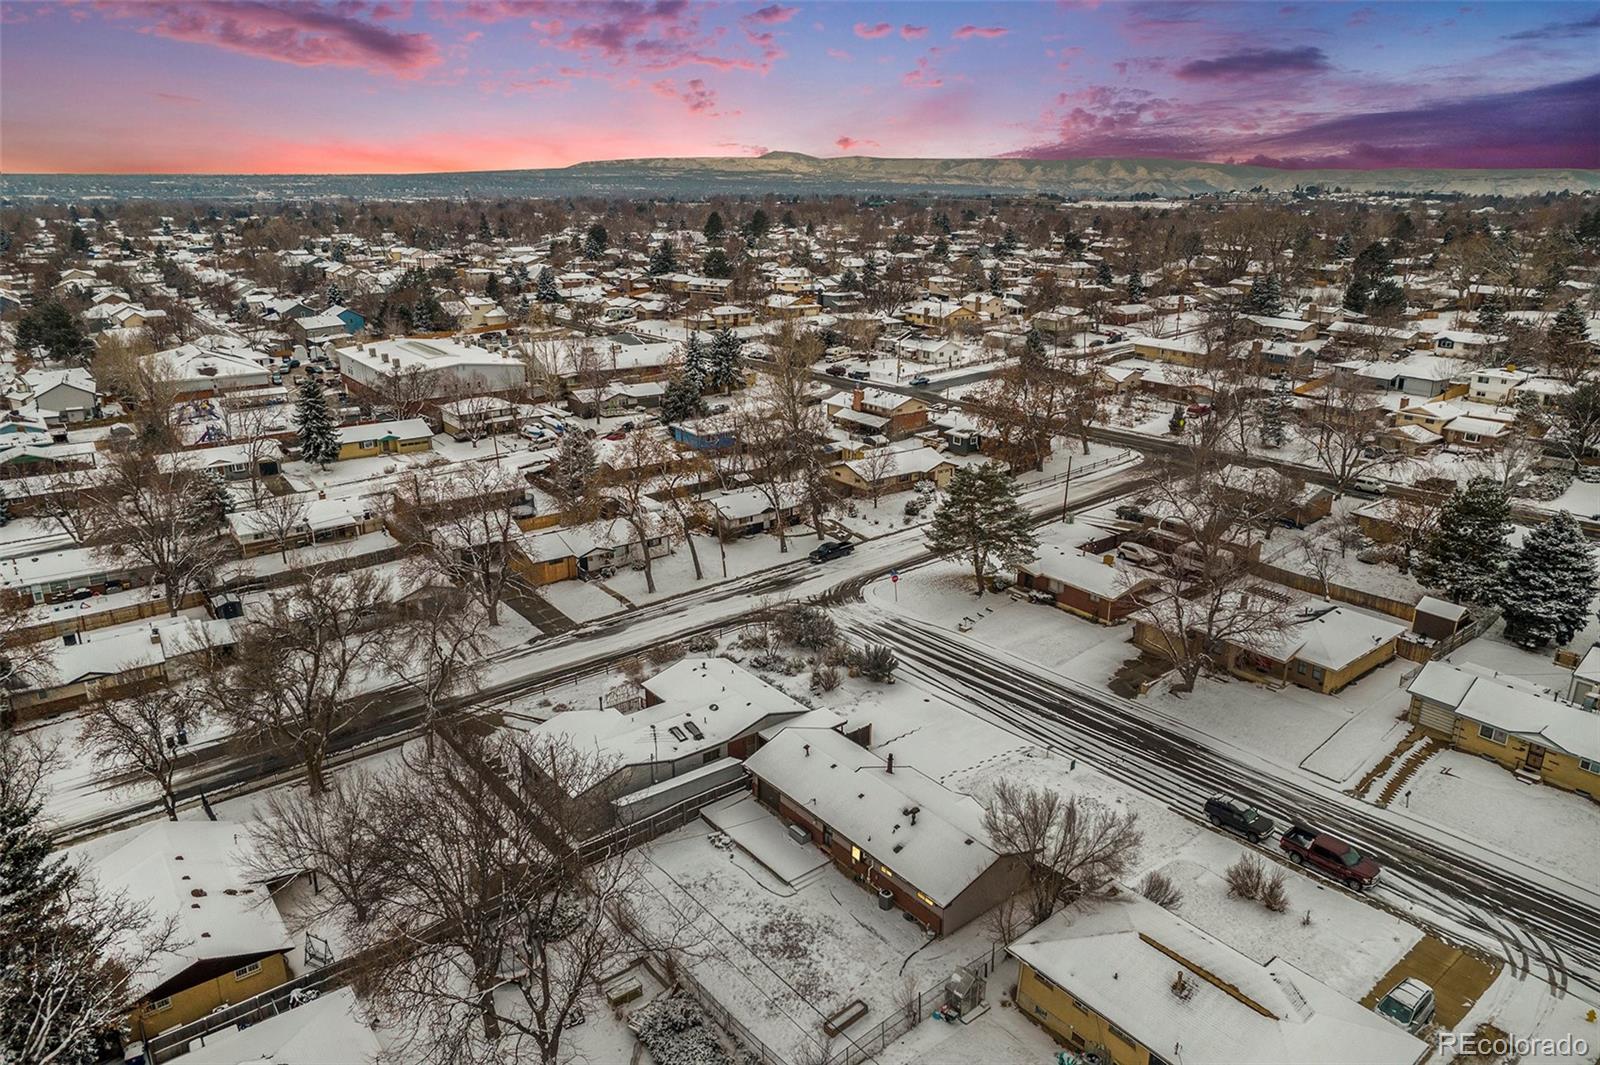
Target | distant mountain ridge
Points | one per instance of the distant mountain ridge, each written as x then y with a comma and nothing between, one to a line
792,172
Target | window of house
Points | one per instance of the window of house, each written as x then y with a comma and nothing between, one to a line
1493,735
1589,765
247,971
1317,674
1081,1008
1120,1034
1300,668
1044,980
161,1005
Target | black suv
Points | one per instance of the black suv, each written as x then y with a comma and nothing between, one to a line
830,549
1225,812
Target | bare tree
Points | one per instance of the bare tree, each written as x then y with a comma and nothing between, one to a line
140,735
27,655
283,518
1077,847
495,930
439,649
252,429
333,836
461,517
25,762
296,670
878,466
633,471
1341,427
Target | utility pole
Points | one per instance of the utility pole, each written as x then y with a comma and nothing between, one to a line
1066,493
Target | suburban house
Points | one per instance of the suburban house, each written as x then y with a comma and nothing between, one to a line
697,712
63,396
231,461
892,828
320,521
748,511
428,369
203,369
478,416
885,471
937,314
1416,375
877,412
584,551
384,438
1099,585
1139,985
117,660
1526,728
231,942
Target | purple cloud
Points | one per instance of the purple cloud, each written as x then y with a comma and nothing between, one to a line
1558,30
1256,63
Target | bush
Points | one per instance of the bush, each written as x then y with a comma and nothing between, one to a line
664,654
879,662
1159,889
752,640
1246,877
826,678
703,644
1274,896
805,626
676,1031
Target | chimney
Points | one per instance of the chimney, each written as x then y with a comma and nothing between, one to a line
808,750
1255,347
1405,401
857,398
915,810
889,765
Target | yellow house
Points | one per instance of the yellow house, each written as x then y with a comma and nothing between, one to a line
230,944
937,314
1179,351
384,438
1522,726
1141,986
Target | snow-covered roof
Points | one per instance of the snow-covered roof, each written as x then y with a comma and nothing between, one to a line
906,461
852,790
1341,636
194,871
1510,704
326,1031
1121,959
404,429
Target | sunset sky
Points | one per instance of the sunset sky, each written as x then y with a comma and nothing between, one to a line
271,86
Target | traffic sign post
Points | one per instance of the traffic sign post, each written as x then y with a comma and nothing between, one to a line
894,579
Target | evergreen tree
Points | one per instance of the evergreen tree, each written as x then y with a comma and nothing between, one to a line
1491,315
213,501
696,363
681,401
1033,352
714,227
53,328
319,441
996,281
869,275
758,225
1356,295
849,281
1135,284
333,295
5,508
1567,336
545,290
1272,411
662,259
724,372
1388,298
1341,250
572,472
1549,584
491,287
1266,296
981,522
595,241
941,250
1103,275
485,234
715,264
1467,553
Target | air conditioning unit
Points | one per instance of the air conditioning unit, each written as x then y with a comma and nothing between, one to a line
799,834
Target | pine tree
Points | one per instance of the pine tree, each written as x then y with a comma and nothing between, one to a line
1567,335
1135,284
333,295
996,281
849,281
1549,584
1103,275
681,401
213,501
1266,296
1272,412
1467,553
662,259
572,473
491,287
724,372
714,227
1356,295
696,362
869,275
1387,298
980,521
1033,351
50,326
1491,315
715,264
5,508
545,290
941,250
595,241
319,440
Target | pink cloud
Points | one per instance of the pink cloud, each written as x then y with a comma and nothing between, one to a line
850,144
839,54
912,33
882,29
696,95
283,32
923,77
773,14
969,31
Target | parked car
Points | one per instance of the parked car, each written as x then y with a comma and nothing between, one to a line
1129,512
1330,854
1042,598
837,369
920,381
535,433
1410,1005
1224,811
1367,486
619,435
1198,409
829,550
859,375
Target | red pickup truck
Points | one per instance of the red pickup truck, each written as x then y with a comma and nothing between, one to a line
1335,857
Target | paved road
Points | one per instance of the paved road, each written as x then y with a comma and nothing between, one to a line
1548,928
